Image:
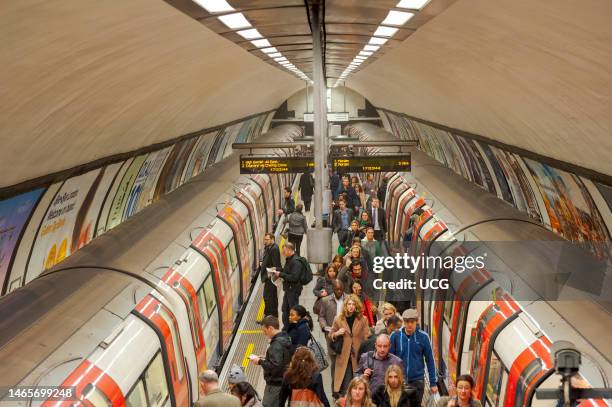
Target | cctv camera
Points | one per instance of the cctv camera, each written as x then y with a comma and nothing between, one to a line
566,356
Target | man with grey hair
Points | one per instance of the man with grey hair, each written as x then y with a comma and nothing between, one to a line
213,396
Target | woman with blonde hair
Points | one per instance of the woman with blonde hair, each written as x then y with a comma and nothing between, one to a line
388,310
358,394
392,394
349,330
302,383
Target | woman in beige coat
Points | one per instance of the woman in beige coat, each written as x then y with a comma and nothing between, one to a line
352,326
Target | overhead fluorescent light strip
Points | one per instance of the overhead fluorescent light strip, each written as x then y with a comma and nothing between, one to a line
269,50
215,6
275,55
383,31
365,53
249,34
261,43
397,18
235,21
372,48
378,40
413,4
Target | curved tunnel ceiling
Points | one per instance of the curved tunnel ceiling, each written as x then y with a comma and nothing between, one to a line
533,74
87,79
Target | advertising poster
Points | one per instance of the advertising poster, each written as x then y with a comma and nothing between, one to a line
172,171
56,239
199,155
571,209
89,211
504,189
230,138
119,201
212,156
141,195
14,213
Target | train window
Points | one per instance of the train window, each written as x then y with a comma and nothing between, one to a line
475,346
449,305
461,324
247,227
202,305
231,254
136,397
95,396
495,379
178,365
209,294
155,382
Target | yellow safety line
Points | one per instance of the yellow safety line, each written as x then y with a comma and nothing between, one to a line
250,331
247,352
260,311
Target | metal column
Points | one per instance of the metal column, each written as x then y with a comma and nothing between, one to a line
319,238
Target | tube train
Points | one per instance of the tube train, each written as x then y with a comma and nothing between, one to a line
474,326
133,317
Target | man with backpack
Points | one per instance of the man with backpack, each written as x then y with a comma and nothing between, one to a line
413,346
296,274
374,364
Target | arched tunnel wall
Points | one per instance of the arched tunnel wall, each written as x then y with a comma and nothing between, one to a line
573,206
41,227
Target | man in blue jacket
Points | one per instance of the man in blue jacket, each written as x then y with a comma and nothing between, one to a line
412,345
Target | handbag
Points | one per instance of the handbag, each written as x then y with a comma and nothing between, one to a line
304,398
319,353
337,345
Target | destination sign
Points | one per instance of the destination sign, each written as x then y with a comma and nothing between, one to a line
373,163
275,165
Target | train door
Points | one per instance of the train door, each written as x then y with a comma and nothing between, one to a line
276,194
262,215
235,216
497,316
395,210
211,248
162,320
252,225
404,220
266,199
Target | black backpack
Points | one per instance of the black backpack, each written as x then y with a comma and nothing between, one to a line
306,274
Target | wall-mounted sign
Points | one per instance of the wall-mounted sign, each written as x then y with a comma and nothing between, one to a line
373,163
275,165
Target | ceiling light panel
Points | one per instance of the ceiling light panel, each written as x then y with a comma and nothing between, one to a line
215,6
275,55
250,34
413,4
365,53
397,18
373,48
235,21
383,31
378,40
269,50
262,43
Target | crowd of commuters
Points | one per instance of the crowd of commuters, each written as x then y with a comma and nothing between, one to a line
377,357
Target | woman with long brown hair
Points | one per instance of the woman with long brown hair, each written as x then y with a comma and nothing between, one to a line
357,395
392,394
302,382
350,327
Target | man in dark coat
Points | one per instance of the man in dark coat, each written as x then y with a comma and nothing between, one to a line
292,285
288,203
278,356
270,259
352,200
342,221
379,222
306,189
382,191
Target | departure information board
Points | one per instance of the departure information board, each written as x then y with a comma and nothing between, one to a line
372,163
275,165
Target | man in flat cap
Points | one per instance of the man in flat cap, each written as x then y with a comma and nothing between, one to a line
413,346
